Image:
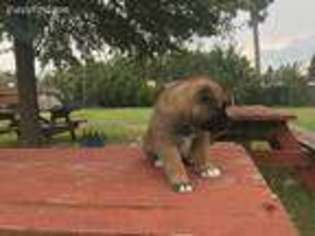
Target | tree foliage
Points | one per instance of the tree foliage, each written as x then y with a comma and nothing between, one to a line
124,82
62,32
112,84
285,86
311,70
141,27
258,13
258,7
232,70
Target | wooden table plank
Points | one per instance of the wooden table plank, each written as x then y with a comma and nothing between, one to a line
115,191
257,113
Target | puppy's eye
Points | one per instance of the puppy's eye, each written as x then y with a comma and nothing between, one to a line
205,98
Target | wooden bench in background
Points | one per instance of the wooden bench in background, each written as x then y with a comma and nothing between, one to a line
306,139
260,123
59,121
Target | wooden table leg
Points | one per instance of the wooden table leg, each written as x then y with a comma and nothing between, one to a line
287,149
71,127
284,138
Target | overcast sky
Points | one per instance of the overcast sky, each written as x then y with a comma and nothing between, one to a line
288,20
289,30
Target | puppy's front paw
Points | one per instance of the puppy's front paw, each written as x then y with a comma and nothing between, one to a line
183,187
158,163
211,172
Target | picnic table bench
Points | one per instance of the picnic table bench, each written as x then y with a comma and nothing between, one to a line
59,121
306,139
260,123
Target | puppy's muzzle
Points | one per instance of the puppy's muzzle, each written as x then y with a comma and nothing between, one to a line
218,122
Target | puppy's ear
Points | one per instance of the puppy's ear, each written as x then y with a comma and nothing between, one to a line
158,91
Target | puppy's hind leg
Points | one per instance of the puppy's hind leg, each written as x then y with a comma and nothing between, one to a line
201,157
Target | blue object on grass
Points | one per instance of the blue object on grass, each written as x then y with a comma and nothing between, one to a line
93,140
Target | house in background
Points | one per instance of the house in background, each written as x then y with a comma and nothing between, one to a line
47,99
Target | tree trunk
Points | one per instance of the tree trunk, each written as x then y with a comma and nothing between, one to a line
30,134
255,26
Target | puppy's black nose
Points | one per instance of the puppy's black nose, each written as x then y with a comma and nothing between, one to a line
218,122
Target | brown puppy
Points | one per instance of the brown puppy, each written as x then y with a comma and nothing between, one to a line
178,133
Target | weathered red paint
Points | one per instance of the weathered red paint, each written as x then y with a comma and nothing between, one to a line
115,191
258,113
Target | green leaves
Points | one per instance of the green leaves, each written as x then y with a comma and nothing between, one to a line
256,7
113,84
140,28
311,70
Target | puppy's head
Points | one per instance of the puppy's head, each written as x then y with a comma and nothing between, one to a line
209,110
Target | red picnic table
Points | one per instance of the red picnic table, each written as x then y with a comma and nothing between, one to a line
260,123
115,191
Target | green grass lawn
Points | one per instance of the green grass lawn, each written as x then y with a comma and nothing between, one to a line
299,201
306,117
122,125
125,125
119,125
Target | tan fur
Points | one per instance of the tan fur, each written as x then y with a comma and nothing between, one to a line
178,106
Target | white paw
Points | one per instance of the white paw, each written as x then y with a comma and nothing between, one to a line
211,173
158,163
183,188
189,188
